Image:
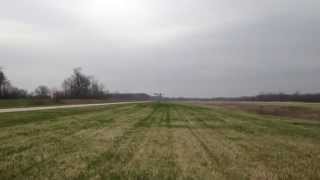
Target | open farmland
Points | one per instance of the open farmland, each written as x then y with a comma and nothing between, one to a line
157,141
295,110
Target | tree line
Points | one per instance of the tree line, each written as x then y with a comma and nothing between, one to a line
315,97
282,97
7,90
78,85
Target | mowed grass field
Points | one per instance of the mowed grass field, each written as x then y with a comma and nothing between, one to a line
157,141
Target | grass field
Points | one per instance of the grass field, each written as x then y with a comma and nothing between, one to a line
157,141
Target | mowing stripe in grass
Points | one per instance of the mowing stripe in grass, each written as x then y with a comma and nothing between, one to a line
117,156
212,158
72,131
155,159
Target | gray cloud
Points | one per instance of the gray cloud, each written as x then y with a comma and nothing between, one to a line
189,48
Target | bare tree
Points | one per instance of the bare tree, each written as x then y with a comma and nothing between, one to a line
96,89
79,85
2,82
42,92
9,91
67,86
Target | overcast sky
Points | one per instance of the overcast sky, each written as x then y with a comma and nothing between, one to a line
193,48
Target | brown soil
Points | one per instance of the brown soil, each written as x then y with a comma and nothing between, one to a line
302,112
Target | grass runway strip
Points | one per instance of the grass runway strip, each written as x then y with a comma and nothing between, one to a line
156,141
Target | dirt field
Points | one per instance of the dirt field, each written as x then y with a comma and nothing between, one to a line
157,141
308,111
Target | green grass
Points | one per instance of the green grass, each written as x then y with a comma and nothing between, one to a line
156,141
